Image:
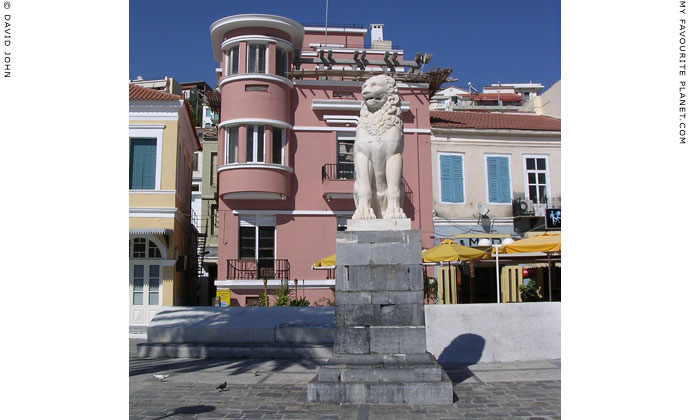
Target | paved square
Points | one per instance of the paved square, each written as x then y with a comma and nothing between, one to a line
276,389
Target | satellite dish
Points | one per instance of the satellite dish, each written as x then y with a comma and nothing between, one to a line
481,207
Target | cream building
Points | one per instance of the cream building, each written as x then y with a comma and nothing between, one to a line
494,174
162,238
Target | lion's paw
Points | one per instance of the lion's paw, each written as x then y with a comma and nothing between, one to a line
394,213
364,213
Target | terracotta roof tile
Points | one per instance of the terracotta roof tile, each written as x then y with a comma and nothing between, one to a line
493,120
138,93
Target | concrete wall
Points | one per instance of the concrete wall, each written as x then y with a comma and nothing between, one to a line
493,333
548,103
463,334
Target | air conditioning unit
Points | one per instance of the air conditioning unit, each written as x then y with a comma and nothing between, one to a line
181,264
526,207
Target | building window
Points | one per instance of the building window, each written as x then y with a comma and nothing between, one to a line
142,248
342,223
536,178
234,60
452,183
255,143
281,62
252,301
278,145
248,243
213,224
256,58
195,162
343,95
213,179
154,282
138,286
346,157
498,179
142,164
259,88
231,145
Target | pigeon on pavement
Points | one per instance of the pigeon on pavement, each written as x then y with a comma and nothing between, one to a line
222,386
256,372
161,377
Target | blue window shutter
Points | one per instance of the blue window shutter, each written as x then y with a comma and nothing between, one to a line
446,181
503,180
492,175
142,164
456,172
451,179
498,172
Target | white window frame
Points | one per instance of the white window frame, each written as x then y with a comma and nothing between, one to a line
256,221
255,143
229,55
486,179
440,185
150,132
226,158
536,171
283,141
286,61
253,44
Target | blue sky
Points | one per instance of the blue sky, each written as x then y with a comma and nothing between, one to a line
483,41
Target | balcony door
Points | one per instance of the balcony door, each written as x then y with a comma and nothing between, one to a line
257,242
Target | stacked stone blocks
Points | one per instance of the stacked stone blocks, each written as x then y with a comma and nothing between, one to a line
380,341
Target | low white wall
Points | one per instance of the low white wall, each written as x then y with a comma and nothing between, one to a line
493,332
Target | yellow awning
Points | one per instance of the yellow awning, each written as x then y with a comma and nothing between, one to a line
326,262
546,242
449,250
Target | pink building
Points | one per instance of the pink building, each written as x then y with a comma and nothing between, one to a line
289,107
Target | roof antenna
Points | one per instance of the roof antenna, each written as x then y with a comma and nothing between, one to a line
326,24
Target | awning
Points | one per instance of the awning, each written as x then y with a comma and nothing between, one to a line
150,231
326,263
547,242
451,251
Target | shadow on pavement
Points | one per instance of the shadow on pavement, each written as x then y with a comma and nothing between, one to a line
190,409
141,366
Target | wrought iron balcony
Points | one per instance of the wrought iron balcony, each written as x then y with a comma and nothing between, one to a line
338,171
534,208
246,269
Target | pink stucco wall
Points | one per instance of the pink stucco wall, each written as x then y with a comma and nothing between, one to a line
300,238
272,104
253,179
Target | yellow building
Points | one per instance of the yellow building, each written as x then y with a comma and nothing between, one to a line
162,237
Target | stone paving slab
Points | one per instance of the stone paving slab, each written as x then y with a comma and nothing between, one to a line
276,389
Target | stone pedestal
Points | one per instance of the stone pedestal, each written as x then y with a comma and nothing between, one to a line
380,352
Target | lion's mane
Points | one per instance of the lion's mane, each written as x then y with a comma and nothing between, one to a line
388,116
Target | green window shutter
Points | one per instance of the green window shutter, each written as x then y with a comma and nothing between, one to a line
142,164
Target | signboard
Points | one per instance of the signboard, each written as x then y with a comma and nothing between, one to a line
553,219
224,297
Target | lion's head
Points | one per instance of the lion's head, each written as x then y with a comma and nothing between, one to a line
380,105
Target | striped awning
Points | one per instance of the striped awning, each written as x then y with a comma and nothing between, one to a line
150,231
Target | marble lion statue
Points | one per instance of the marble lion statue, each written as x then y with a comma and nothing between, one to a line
378,190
